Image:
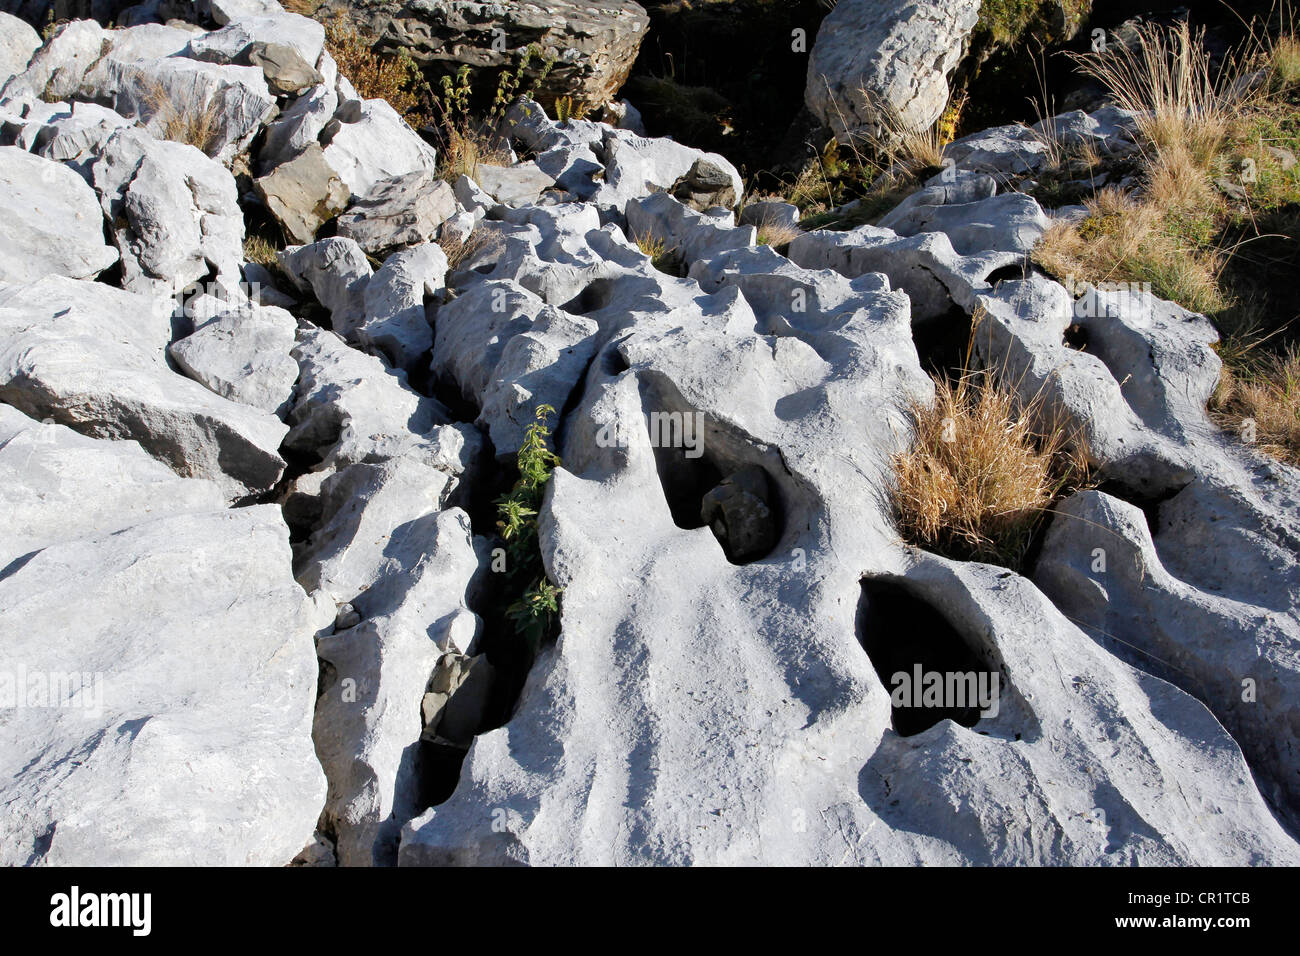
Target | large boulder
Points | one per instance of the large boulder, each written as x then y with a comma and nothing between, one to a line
18,41
593,44
882,68
174,212
173,727
303,193
92,357
53,225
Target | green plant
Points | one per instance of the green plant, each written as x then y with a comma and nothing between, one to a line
535,610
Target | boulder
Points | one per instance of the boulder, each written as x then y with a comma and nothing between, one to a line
243,355
520,185
396,325
59,485
175,213
881,69
593,45
337,272
303,194
53,225
170,728
18,41
408,570
368,143
92,357
402,211
351,408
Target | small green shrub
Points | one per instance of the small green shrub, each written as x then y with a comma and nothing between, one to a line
535,611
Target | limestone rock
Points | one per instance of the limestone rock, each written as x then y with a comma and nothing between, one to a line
244,355
92,357
52,222
402,211
880,68
179,744
303,194
594,45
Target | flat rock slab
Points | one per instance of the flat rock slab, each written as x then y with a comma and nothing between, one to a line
169,679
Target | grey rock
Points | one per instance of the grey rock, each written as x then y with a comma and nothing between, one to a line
60,485
370,144
244,355
408,569
880,68
739,513
304,193
298,127
174,212
189,741
351,408
396,325
594,45
456,701
18,41
402,211
284,68
52,222
92,357
337,272
520,185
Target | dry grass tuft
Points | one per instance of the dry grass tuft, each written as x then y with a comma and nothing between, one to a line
1259,399
777,234
1126,240
201,129
1184,102
459,253
662,256
1284,61
982,471
396,78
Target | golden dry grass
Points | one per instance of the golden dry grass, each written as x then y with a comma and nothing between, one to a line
1258,398
200,129
479,240
777,234
393,77
463,148
1183,99
1135,241
982,469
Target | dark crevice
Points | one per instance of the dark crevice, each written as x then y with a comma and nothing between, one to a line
904,636
941,342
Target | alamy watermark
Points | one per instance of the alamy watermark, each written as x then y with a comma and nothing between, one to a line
667,430
950,690
31,689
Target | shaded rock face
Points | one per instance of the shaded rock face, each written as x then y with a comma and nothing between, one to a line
594,44
879,68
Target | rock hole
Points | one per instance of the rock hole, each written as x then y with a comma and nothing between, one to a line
1076,337
594,297
1008,273
738,501
941,341
924,663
